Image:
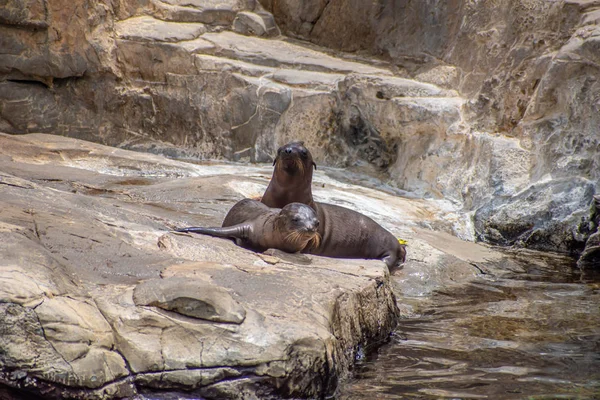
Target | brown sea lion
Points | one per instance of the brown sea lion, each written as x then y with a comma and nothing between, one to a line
349,234
257,227
344,233
292,177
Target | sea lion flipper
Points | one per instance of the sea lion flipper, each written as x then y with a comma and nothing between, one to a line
239,231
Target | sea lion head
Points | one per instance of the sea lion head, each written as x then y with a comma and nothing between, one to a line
294,159
299,224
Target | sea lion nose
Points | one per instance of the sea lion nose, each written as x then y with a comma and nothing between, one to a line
288,150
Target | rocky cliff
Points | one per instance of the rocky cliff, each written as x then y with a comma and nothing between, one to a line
492,106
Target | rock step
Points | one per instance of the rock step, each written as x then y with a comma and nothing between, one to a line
246,22
381,87
282,62
149,29
219,13
247,18
276,53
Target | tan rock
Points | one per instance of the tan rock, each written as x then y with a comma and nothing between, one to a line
149,29
193,298
252,24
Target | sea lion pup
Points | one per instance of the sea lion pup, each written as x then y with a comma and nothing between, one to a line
344,233
257,227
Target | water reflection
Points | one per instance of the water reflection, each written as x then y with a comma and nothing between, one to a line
527,328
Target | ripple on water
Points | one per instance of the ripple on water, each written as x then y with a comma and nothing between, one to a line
529,330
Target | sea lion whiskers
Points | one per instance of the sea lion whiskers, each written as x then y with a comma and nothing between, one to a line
304,240
299,165
294,237
277,164
314,241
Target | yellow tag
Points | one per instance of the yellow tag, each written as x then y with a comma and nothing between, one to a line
402,241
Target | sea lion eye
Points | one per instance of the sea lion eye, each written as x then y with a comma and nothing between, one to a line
304,153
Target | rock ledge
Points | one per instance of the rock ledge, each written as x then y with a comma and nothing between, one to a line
99,300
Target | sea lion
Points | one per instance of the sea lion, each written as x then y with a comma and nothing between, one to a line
295,228
257,227
292,177
344,233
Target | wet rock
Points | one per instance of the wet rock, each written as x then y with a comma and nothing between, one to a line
590,257
545,216
186,379
190,297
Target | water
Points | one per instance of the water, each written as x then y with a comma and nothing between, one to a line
526,329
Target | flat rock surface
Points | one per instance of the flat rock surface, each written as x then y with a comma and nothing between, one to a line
90,271
146,28
280,53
